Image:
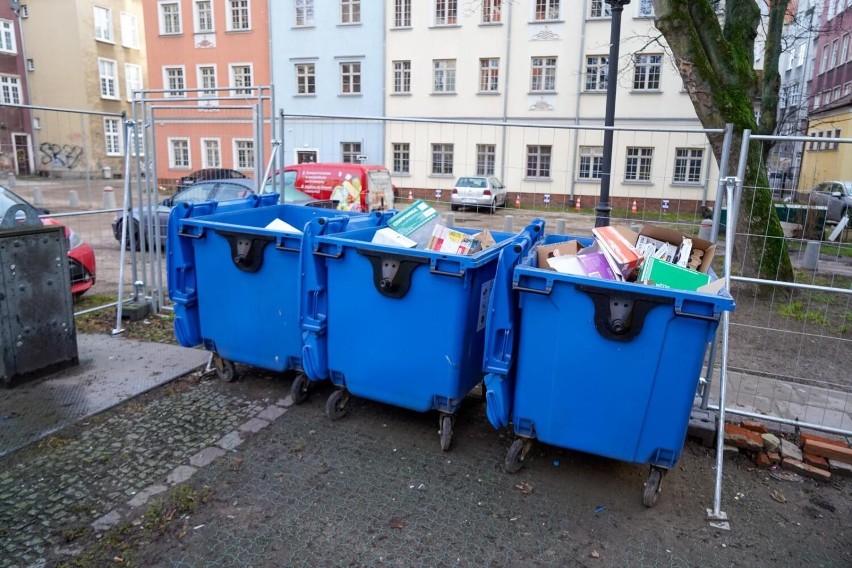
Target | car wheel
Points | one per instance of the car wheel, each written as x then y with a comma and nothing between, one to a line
135,228
454,207
493,207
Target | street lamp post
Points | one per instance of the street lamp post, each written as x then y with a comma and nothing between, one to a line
602,209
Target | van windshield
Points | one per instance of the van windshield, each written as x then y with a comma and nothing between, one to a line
287,181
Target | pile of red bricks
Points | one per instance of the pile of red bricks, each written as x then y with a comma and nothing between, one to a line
814,456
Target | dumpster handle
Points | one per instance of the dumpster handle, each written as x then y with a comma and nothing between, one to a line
246,250
679,311
392,272
620,316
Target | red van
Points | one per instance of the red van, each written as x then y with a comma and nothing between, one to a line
354,187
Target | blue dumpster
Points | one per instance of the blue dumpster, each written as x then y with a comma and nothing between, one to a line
235,283
399,326
599,366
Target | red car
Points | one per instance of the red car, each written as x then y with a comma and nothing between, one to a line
81,257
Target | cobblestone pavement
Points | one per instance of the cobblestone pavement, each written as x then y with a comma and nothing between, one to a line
288,487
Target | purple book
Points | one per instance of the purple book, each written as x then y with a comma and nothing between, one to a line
595,264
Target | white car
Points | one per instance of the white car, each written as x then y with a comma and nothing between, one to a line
479,191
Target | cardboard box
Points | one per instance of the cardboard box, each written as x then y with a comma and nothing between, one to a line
619,244
565,248
451,241
593,264
388,236
485,238
664,274
415,222
702,253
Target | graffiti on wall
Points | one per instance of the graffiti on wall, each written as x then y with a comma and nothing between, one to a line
60,156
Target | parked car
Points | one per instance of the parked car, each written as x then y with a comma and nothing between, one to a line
208,174
221,190
479,191
81,257
836,196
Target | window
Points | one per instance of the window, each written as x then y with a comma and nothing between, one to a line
688,163
179,153
844,49
207,81
489,75
304,13
485,159
10,86
112,136
538,161
241,77
170,18
305,79
600,9
847,88
597,69
835,94
645,9
401,77
543,77
239,16
401,158
800,57
132,79
173,79
835,51
444,77
546,10
491,11
7,37
823,66
129,31
442,159
211,153
402,13
349,152
350,78
109,80
244,154
646,73
203,10
446,12
793,95
350,11
591,161
817,101
103,24
638,166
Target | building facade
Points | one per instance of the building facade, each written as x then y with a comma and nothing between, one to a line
84,55
16,147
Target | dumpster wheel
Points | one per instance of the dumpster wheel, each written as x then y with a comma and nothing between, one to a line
300,389
446,431
337,405
517,453
653,486
224,368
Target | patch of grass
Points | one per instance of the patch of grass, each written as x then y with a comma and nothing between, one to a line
156,328
796,310
115,548
182,500
53,443
69,535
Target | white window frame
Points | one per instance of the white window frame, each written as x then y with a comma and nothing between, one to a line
597,67
210,94
349,152
644,9
102,18
446,12
108,80
835,51
239,85
306,79
10,89
599,9
173,164
539,161
8,41
543,74
129,30
800,59
647,72
197,21
823,67
444,76
486,159
401,158
690,162
401,77
305,14
402,14
174,92
492,12
112,136
639,161
205,152
240,163
489,75
133,79
546,10
350,78
242,7
350,12
844,49
590,160
443,156
165,22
